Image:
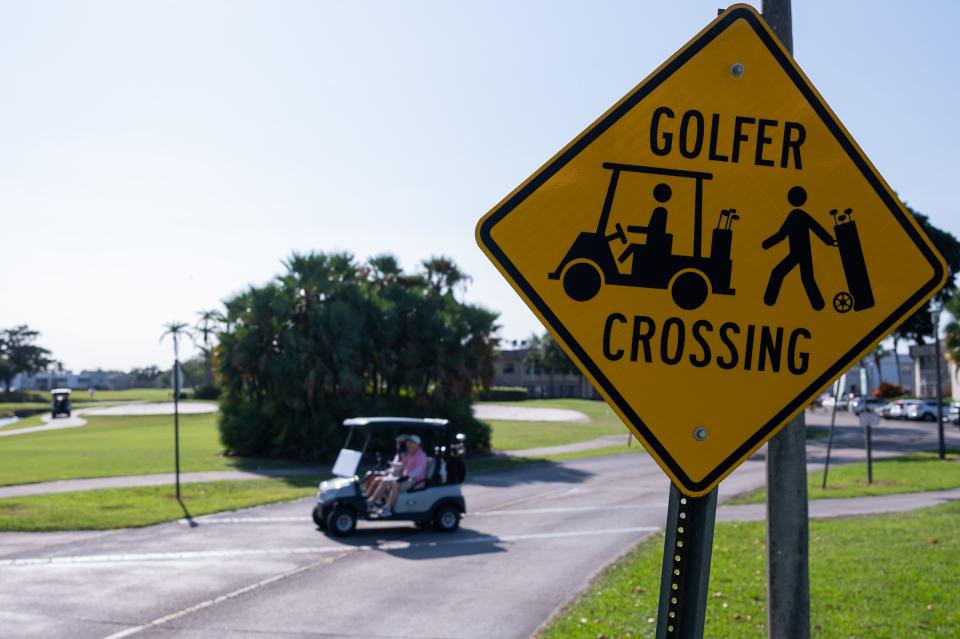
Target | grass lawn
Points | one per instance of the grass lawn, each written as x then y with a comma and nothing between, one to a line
24,422
10,408
130,507
881,577
520,435
915,472
109,446
128,395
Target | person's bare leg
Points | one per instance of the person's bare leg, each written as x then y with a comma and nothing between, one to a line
383,487
373,484
393,494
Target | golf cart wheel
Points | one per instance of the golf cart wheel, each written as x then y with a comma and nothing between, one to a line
842,302
447,518
689,290
341,521
582,281
318,517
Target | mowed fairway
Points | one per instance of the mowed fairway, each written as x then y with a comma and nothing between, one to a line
142,506
880,577
110,446
520,435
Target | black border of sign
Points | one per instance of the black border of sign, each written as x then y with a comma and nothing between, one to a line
727,19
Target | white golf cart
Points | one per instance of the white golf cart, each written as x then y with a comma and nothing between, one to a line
341,500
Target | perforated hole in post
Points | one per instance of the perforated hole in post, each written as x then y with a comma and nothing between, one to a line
678,561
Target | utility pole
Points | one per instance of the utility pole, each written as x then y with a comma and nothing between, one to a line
176,410
788,577
935,317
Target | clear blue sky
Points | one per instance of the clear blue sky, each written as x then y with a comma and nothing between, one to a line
159,156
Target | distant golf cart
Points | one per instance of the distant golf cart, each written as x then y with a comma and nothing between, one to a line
341,501
60,402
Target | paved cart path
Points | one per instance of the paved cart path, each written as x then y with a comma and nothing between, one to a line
157,479
527,414
533,538
74,421
853,506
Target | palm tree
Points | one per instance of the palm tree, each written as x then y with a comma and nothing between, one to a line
877,355
952,331
895,336
208,325
176,330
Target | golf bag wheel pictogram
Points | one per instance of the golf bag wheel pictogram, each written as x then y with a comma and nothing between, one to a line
842,302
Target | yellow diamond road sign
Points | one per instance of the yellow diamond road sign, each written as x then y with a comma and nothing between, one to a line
713,250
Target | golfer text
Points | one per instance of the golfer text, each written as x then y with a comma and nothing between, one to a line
765,141
702,344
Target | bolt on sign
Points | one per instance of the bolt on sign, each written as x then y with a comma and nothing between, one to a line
713,250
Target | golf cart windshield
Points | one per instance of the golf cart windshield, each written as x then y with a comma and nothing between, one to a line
347,463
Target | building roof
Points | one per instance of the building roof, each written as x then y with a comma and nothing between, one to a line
513,355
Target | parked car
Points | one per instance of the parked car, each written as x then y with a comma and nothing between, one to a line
886,409
829,401
925,411
954,415
859,404
901,407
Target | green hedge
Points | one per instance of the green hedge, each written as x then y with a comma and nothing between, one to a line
502,394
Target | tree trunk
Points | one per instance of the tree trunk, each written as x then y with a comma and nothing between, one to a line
208,366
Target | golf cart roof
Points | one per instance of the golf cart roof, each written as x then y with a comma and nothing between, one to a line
395,422
60,391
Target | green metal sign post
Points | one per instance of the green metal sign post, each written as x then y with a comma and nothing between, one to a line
685,578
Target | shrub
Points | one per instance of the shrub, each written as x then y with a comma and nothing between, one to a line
886,390
207,391
502,394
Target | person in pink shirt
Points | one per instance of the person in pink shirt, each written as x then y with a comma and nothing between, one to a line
413,473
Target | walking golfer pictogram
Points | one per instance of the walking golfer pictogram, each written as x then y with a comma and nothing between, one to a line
796,230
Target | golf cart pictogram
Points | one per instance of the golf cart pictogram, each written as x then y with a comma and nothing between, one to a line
590,262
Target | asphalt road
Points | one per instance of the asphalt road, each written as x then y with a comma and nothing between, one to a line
533,539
